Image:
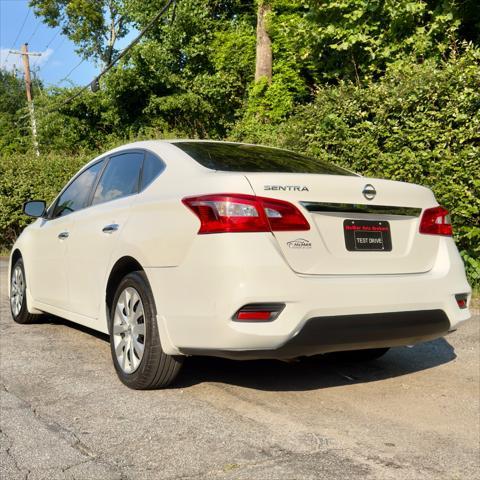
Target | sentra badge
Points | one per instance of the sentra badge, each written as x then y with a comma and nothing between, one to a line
287,188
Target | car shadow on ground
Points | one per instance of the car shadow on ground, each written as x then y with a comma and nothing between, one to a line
303,374
316,372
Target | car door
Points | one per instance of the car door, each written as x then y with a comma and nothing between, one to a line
97,230
51,237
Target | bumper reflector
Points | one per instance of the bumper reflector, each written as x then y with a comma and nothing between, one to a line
461,299
259,312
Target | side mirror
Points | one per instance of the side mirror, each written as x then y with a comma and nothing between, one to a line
34,208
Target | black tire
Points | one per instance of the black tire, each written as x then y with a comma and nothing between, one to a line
357,355
23,317
156,369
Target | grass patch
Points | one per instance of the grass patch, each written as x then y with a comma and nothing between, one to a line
475,302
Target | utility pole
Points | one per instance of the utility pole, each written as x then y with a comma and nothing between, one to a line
28,87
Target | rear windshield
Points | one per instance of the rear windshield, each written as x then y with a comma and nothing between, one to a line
235,157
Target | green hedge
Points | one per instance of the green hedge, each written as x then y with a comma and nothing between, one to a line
420,123
24,177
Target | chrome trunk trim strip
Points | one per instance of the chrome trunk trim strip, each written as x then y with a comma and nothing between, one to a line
360,208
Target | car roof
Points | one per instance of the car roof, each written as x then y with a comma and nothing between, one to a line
159,145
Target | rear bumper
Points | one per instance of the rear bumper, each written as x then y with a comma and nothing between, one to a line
196,300
350,332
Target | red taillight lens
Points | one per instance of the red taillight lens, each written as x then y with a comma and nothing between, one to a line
283,216
221,213
436,221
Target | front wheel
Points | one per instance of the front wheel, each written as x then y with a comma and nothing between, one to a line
18,295
135,344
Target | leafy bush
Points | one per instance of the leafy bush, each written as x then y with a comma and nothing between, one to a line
24,177
420,123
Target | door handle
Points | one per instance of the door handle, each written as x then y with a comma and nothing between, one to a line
110,228
63,235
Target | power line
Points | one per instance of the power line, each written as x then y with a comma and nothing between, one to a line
64,79
52,39
36,80
56,51
119,56
19,32
39,68
34,32
48,44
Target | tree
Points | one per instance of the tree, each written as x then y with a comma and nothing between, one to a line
200,70
263,68
357,40
190,74
14,131
93,25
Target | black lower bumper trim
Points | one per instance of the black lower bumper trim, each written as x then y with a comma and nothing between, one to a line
350,332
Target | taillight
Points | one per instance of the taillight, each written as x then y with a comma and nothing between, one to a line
283,216
436,221
225,212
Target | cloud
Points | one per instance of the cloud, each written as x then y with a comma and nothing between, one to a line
12,61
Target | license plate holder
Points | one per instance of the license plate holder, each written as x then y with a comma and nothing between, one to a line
367,235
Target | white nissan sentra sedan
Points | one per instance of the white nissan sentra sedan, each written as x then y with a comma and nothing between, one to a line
180,248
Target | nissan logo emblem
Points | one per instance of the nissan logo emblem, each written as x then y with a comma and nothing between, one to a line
369,192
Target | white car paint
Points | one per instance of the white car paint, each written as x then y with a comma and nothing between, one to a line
200,281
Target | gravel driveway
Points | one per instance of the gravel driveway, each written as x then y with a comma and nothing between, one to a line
414,414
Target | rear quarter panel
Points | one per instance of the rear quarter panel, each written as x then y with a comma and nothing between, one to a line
160,228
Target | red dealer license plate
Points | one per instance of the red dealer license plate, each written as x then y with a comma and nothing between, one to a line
367,235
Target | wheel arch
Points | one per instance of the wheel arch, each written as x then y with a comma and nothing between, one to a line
16,254
123,266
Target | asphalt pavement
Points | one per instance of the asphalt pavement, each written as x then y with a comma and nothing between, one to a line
414,414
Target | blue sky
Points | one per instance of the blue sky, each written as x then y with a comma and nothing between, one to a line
58,53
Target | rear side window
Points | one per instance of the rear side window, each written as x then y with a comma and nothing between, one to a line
233,157
76,195
120,178
152,168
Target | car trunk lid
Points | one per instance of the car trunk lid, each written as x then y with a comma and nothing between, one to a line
358,225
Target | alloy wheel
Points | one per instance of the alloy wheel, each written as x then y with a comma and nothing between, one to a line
17,290
129,330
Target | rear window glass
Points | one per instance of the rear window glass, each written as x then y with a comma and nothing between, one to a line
152,168
233,157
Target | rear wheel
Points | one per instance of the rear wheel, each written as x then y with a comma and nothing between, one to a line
18,295
135,344
358,355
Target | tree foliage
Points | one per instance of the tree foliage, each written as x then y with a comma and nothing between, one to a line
194,79
420,123
93,25
386,88
15,134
